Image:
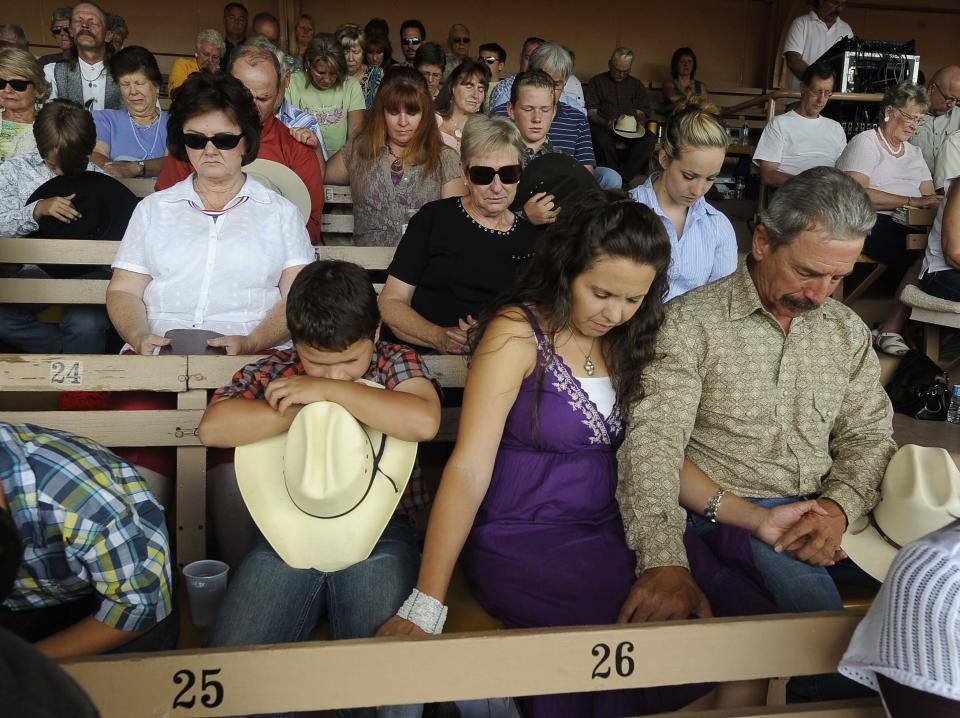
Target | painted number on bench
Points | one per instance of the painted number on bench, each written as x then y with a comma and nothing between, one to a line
66,373
622,662
212,691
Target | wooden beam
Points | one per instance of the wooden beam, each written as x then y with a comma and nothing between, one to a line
92,372
166,427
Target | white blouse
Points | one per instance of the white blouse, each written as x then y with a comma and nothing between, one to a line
219,274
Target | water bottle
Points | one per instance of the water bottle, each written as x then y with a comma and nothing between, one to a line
744,134
953,413
741,188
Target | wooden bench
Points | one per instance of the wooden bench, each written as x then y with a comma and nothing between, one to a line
341,674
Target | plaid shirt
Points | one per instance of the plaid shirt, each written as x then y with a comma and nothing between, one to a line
88,524
390,365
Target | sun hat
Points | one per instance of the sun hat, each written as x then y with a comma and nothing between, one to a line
282,180
626,126
919,494
323,493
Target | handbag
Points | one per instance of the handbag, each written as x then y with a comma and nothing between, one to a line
919,388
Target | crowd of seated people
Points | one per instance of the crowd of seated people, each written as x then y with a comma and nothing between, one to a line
614,463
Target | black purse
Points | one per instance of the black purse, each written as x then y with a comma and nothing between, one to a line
919,388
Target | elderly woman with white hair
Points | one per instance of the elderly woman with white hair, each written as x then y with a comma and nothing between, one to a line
459,253
23,91
894,174
210,47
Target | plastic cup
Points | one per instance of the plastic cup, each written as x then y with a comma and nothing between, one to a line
206,586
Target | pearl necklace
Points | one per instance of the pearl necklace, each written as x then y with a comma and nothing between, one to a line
147,154
883,141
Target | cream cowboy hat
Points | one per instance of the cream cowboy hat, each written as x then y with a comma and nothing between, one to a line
626,126
284,181
920,493
323,492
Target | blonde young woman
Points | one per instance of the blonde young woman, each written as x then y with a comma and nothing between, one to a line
702,240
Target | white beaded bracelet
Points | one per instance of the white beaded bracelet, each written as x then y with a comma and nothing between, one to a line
424,611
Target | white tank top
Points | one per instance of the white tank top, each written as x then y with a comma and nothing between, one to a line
600,390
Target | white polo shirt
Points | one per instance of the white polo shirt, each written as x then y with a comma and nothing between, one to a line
810,36
798,143
221,273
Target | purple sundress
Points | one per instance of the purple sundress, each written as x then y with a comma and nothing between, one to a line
547,547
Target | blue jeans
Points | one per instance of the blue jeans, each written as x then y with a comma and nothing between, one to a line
269,602
798,587
83,329
608,178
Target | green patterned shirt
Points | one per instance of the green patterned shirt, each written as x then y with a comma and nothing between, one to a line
763,413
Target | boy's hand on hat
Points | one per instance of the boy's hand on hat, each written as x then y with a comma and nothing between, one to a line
234,344
57,207
290,391
396,626
540,209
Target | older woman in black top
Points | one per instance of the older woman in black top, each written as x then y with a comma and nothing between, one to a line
458,254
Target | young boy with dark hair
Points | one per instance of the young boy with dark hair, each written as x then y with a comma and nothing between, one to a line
334,323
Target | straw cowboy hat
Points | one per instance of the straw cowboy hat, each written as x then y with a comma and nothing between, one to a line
626,126
920,493
323,492
282,180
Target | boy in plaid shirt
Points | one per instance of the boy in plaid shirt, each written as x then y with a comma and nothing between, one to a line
334,323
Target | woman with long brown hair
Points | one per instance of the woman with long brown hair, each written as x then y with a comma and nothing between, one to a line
397,163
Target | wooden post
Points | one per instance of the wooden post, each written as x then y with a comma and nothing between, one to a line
191,487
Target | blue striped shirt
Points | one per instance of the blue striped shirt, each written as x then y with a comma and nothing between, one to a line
708,250
500,96
88,525
294,117
569,132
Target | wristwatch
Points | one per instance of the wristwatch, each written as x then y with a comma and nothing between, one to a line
143,167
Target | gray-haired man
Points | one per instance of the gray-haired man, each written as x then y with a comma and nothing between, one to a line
766,389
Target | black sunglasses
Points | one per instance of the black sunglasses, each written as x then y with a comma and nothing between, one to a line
222,141
490,60
462,40
17,85
509,174
410,41
58,30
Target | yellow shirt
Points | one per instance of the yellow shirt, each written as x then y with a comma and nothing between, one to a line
182,68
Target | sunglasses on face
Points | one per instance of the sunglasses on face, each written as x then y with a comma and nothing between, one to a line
222,141
410,41
489,60
509,174
462,40
15,85
58,30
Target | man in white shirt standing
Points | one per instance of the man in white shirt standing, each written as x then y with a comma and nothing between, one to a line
86,79
801,138
942,117
813,34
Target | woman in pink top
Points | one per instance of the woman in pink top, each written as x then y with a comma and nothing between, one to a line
894,174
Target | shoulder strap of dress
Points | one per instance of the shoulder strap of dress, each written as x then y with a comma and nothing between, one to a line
532,318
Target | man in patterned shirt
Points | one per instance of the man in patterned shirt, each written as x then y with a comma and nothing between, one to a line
334,323
766,389
95,570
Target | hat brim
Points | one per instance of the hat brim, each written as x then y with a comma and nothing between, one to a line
284,181
304,541
105,205
631,135
868,549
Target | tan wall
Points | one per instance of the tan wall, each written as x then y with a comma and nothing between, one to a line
731,37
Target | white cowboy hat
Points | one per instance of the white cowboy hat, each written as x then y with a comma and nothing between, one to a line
626,126
284,181
920,493
323,493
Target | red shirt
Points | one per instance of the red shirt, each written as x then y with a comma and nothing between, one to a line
277,144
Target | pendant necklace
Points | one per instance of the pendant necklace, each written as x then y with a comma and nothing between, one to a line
90,80
397,165
588,365
886,144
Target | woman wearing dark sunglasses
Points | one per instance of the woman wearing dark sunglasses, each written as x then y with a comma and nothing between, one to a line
22,90
458,254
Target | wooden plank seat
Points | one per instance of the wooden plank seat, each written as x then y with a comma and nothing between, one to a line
280,678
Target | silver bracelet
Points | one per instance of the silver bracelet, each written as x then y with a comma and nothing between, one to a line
713,506
424,611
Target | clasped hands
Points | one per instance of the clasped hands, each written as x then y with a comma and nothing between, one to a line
455,340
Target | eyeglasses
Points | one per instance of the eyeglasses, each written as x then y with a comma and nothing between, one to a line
431,75
221,140
910,119
410,41
15,85
819,94
508,174
461,40
490,60
58,30
946,98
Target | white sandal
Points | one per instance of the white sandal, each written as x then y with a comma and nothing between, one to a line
890,343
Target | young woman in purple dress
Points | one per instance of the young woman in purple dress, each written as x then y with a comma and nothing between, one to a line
527,500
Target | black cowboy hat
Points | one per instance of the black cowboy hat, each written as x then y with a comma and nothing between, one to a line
554,173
